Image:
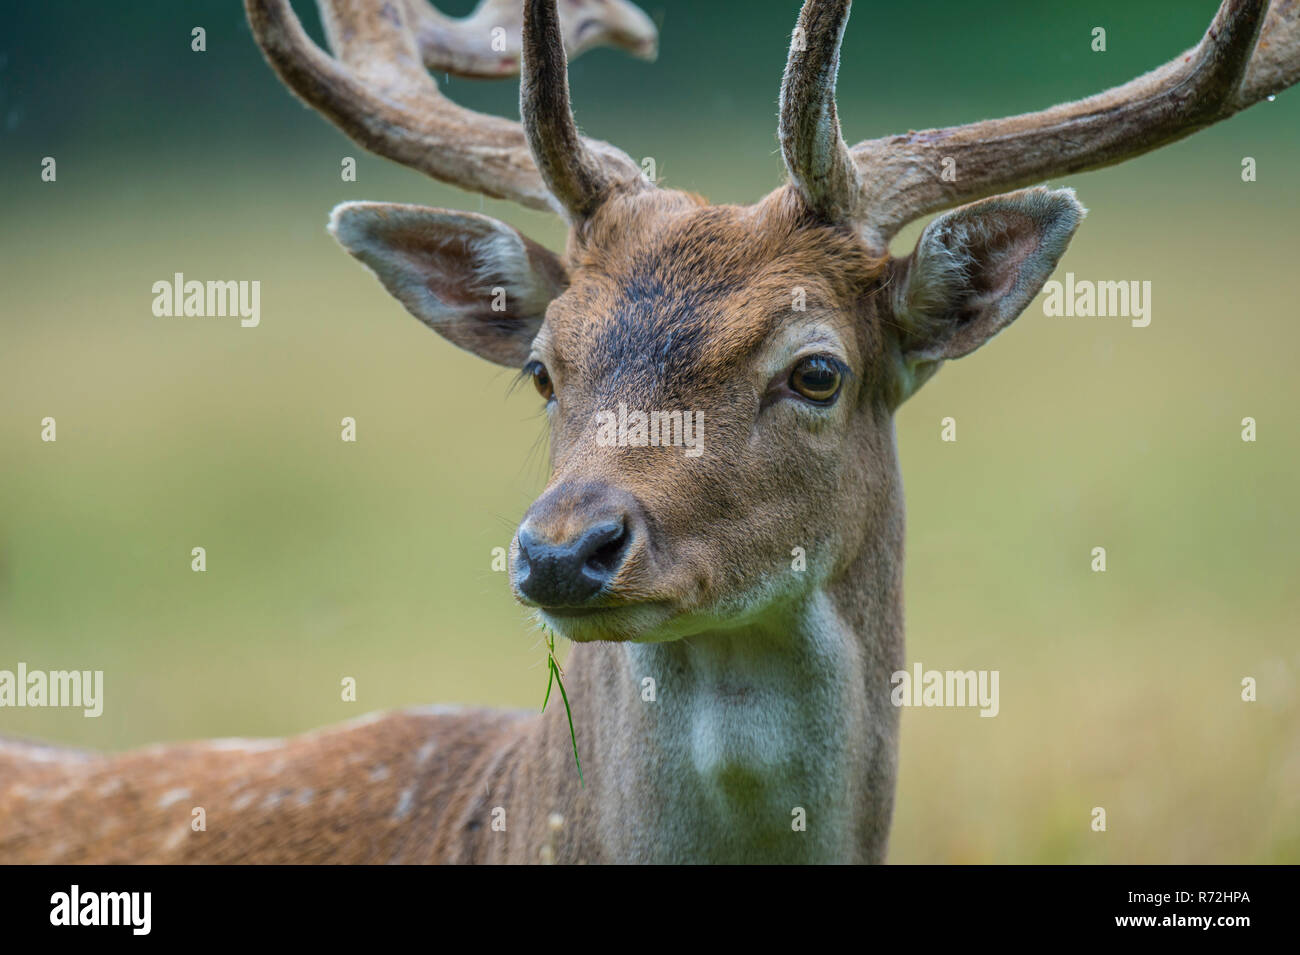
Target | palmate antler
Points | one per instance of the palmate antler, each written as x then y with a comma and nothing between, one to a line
377,88
1251,51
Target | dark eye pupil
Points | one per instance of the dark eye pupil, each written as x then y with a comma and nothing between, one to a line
817,379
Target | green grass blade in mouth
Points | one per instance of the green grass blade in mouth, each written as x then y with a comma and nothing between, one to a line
550,681
554,677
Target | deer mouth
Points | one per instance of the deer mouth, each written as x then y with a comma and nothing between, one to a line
567,612
616,623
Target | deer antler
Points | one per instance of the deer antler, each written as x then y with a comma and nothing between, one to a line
1245,56
577,176
817,157
379,92
465,47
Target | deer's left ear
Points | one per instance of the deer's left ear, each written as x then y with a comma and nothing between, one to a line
473,280
973,272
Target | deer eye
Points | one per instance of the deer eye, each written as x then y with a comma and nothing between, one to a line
817,378
541,379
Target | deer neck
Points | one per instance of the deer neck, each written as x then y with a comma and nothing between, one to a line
774,741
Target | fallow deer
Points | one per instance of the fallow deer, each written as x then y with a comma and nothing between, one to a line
773,683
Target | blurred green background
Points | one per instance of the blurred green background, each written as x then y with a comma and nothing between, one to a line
372,560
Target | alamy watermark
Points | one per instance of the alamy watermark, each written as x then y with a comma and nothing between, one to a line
129,909
641,429
923,687
1088,299
57,688
179,298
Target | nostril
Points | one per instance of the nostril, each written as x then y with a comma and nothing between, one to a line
526,542
606,558
601,550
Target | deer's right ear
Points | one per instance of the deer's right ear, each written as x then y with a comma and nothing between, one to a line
473,280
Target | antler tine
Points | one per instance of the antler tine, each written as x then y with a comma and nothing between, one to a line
1275,64
816,156
488,42
1210,82
380,94
377,44
579,177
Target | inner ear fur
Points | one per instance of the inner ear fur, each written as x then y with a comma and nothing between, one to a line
974,270
474,280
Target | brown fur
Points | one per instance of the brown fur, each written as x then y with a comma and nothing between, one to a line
412,787
773,681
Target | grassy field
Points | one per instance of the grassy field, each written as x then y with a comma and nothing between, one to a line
372,560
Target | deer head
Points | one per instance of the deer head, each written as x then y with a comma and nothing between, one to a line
784,332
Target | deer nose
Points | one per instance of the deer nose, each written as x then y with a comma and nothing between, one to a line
568,573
